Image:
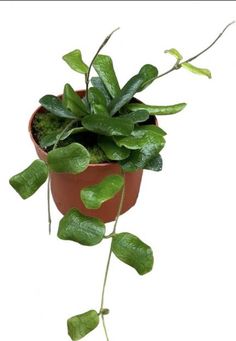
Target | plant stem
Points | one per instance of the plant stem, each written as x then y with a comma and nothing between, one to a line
109,257
91,64
178,66
67,127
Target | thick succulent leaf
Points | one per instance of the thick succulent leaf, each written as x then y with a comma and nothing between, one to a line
97,101
173,52
155,164
73,102
55,106
111,150
79,228
94,196
149,73
80,325
197,70
149,127
157,109
137,116
126,94
74,60
108,126
98,83
141,158
27,182
73,158
104,68
132,251
141,138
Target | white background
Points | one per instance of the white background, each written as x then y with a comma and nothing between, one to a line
186,212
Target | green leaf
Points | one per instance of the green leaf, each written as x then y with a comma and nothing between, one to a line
111,150
146,76
73,102
175,53
80,325
126,94
74,60
157,110
97,101
55,106
94,196
141,158
137,116
154,164
50,139
27,182
197,70
141,138
132,251
104,68
108,126
73,158
79,228
98,83
149,73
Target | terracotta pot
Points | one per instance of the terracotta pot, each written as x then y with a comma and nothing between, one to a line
66,187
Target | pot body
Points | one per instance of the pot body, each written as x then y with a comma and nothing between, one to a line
66,187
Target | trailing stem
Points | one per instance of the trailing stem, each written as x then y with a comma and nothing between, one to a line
109,258
67,127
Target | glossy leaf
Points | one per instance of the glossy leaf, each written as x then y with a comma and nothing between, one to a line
79,228
174,53
97,101
73,102
73,158
141,138
27,182
94,196
111,150
137,116
150,127
108,126
197,70
126,94
157,109
74,60
154,164
149,73
55,106
132,251
98,83
80,325
141,158
104,68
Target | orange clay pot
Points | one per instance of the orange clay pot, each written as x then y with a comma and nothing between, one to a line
66,187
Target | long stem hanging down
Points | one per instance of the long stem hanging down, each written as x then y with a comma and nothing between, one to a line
109,257
179,65
67,127
91,64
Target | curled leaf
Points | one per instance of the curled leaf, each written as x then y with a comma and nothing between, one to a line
74,60
29,180
175,53
132,251
73,158
157,109
94,196
80,325
79,228
197,70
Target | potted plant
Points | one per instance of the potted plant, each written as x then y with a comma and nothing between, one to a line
95,144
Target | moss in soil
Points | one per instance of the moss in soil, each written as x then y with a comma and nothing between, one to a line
46,123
